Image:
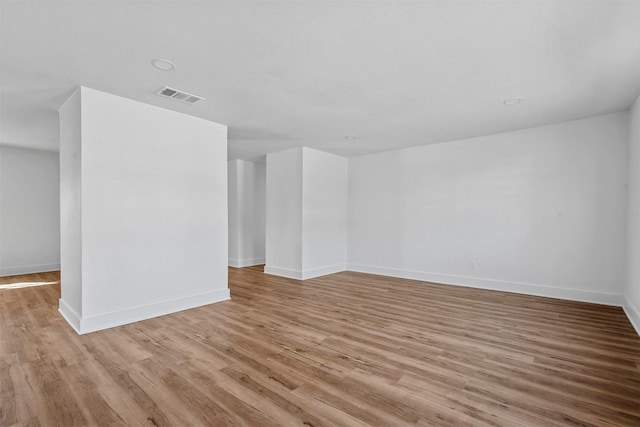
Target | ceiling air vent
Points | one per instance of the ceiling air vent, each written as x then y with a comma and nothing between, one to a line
179,95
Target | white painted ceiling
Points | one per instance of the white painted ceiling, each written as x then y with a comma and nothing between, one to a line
285,74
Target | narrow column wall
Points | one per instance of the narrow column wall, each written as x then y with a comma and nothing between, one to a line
306,213
247,212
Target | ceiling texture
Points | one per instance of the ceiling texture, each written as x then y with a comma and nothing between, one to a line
287,74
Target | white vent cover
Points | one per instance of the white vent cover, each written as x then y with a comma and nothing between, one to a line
179,95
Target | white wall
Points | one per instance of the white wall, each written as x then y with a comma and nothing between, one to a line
539,211
29,211
632,283
153,211
71,207
324,220
283,245
306,213
247,212
233,194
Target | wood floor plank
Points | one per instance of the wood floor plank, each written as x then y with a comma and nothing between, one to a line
347,349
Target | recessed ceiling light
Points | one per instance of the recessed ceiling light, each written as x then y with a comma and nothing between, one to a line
163,64
514,100
351,137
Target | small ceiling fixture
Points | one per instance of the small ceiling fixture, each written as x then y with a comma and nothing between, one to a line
514,100
163,64
351,137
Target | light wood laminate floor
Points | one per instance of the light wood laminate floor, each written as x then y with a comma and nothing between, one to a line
348,349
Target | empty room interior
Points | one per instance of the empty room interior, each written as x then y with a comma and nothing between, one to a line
322,213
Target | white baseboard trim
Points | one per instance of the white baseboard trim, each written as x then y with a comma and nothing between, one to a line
239,263
27,269
304,275
633,314
496,285
283,272
136,314
69,315
323,271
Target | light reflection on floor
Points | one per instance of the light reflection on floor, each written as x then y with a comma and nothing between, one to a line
19,285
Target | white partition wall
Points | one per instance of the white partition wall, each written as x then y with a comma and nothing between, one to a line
283,252
143,211
247,212
70,115
306,213
632,283
324,213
